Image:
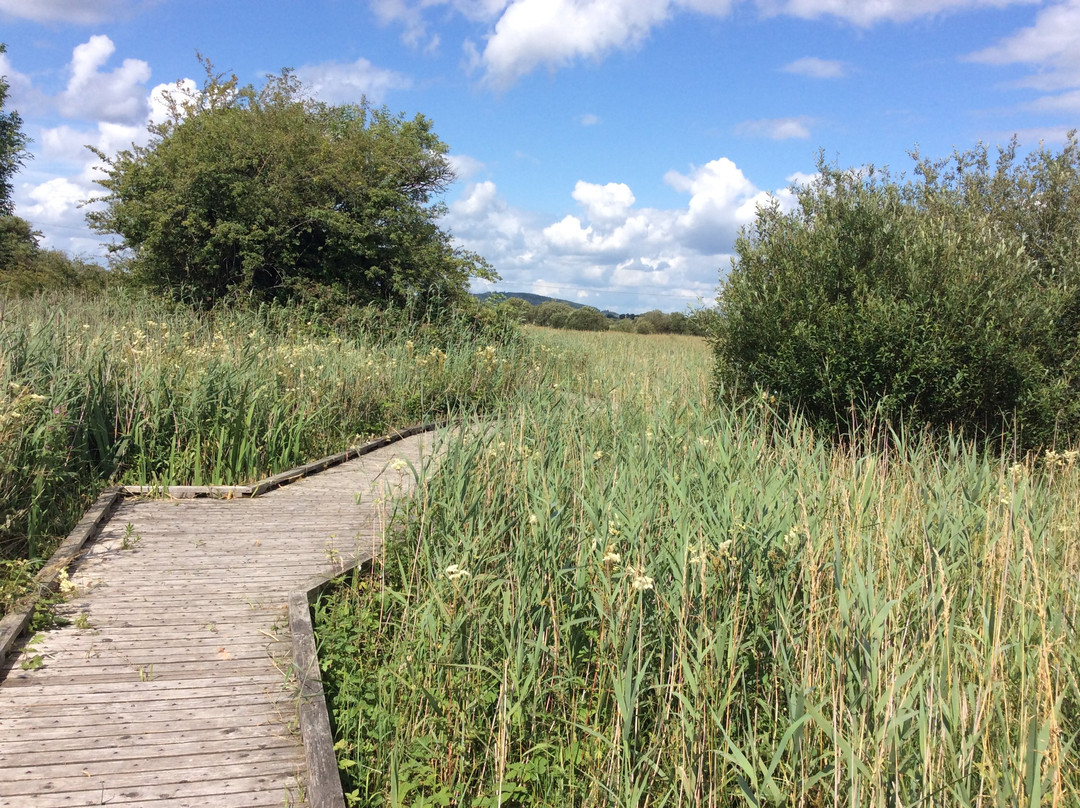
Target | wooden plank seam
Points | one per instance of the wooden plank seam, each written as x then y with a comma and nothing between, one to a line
324,782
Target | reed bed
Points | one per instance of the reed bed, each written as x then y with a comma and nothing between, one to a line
619,595
130,390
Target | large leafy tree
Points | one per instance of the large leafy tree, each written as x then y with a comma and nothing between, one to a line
264,194
13,143
951,300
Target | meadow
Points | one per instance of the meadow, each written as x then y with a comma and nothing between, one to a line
615,592
127,389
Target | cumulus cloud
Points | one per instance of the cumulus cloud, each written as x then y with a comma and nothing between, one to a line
1050,47
621,255
555,33
776,128
588,119
118,96
604,203
816,68
524,35
338,83
58,205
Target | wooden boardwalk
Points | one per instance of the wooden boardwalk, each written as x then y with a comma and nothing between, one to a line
173,685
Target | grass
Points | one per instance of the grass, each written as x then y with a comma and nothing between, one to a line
121,389
619,595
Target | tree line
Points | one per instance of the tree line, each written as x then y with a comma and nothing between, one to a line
558,314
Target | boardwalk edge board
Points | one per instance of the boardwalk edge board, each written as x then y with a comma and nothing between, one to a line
323,779
14,623
277,480
324,786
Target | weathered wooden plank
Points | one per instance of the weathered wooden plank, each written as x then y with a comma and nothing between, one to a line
148,744
120,727
15,623
144,770
324,782
286,779
162,716
45,711
149,692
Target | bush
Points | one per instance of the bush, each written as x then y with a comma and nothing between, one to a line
950,301
587,319
263,195
25,268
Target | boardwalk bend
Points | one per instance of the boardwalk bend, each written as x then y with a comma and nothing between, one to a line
175,682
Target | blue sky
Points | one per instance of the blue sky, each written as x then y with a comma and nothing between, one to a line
607,151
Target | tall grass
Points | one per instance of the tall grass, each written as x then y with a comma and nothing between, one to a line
121,389
620,596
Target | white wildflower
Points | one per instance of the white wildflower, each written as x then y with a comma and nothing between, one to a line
639,581
456,573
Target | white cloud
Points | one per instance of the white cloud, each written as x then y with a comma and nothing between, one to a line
589,119
410,14
52,201
338,83
523,35
1032,136
57,204
464,166
118,96
1068,102
619,255
604,202
776,128
22,97
69,11
816,68
556,33
869,12
802,178
1050,45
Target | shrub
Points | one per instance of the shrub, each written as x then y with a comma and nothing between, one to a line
263,195
587,319
950,301
25,268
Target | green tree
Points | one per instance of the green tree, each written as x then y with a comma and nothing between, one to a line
553,313
25,268
587,318
13,143
948,301
261,194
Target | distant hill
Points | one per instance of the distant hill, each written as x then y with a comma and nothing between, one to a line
536,300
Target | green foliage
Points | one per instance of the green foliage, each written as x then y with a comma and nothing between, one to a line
587,319
25,268
570,614
552,314
120,388
263,195
952,302
13,143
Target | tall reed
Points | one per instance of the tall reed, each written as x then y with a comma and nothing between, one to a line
618,595
128,389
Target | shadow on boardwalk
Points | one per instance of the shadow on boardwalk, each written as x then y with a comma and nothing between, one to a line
172,685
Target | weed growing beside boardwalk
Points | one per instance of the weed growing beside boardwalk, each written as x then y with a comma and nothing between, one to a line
122,389
619,596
